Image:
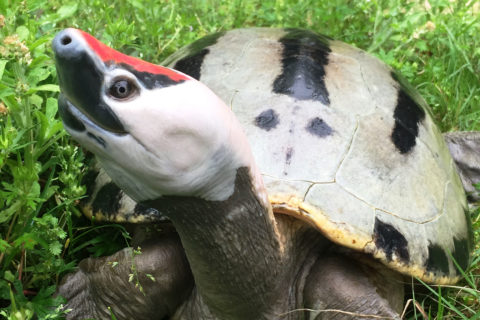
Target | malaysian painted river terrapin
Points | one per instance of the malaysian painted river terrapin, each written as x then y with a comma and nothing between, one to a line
318,183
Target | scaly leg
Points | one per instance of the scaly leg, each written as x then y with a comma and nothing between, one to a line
355,289
163,274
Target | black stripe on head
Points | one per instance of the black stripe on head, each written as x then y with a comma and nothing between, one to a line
319,128
107,200
304,57
150,80
267,120
437,259
391,241
408,115
192,63
82,84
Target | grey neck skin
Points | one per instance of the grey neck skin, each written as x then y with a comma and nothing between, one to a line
235,250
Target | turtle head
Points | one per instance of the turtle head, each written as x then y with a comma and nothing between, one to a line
156,131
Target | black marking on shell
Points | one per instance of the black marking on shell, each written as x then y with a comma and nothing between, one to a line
192,63
391,241
98,139
267,120
437,259
304,57
107,199
319,128
470,235
461,252
151,80
408,115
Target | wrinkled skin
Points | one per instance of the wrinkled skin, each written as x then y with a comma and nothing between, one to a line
161,281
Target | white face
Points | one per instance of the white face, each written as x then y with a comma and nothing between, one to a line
179,140
174,139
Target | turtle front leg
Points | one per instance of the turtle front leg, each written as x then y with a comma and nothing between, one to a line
356,290
103,286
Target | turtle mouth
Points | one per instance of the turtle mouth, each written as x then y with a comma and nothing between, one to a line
75,120
70,114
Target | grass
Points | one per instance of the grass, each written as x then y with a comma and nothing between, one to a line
434,44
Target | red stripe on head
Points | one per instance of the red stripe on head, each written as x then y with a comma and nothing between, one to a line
106,53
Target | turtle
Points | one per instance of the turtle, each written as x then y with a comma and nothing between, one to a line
303,178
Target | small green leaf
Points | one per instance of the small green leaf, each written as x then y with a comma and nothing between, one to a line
422,45
22,32
4,245
149,276
36,100
2,67
8,275
51,108
137,4
55,248
45,87
36,75
67,10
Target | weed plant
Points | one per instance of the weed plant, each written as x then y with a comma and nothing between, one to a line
435,44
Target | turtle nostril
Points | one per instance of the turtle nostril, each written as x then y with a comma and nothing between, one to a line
66,40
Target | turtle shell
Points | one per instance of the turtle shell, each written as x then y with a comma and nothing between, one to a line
343,143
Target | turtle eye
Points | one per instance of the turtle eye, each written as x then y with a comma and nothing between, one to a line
122,89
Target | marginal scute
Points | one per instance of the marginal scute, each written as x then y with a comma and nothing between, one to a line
461,253
437,260
391,241
107,200
335,204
